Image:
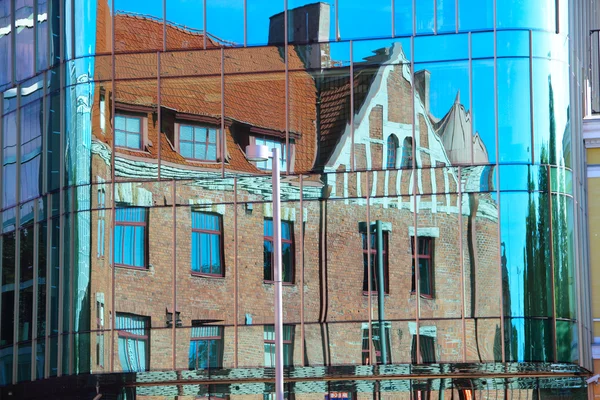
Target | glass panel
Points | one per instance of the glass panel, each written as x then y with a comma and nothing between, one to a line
7,312
484,143
186,132
225,22
443,92
9,159
257,17
31,150
403,22
42,279
514,105
484,340
24,50
446,15
567,341
525,254
185,25
26,285
140,21
551,120
6,52
564,252
538,14
360,20
475,15
529,339
424,15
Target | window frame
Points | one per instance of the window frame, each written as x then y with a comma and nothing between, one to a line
430,257
392,150
180,124
144,224
286,342
143,119
284,162
122,333
207,339
290,241
377,353
221,246
386,263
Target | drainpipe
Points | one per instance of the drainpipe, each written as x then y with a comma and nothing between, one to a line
381,292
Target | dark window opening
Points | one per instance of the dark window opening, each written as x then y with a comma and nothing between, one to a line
424,257
371,253
287,251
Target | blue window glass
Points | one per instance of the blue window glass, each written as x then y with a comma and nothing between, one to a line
272,143
130,236
207,249
287,251
206,347
133,333
128,131
288,345
198,142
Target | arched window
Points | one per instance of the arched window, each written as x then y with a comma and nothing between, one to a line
392,151
407,149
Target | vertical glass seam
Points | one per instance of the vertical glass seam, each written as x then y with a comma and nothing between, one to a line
552,263
499,261
462,265
13,42
71,230
164,23
34,318
61,252
235,273
222,135
472,121
414,188
159,116
531,100
301,274
17,259
35,37
352,161
174,244
372,355
48,284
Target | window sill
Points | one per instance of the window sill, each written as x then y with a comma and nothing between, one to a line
146,152
283,283
131,267
199,162
423,296
374,293
210,276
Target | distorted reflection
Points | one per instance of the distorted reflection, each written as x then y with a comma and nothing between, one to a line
421,225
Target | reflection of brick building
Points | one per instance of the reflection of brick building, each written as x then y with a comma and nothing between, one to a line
413,178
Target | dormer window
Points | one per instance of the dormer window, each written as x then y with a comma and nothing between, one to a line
198,142
128,131
272,143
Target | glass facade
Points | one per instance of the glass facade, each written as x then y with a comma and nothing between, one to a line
432,170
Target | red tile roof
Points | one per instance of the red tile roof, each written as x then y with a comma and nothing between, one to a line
254,87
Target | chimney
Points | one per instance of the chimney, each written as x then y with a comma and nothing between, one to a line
308,29
422,87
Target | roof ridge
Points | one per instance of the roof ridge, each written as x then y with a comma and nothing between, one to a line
175,25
